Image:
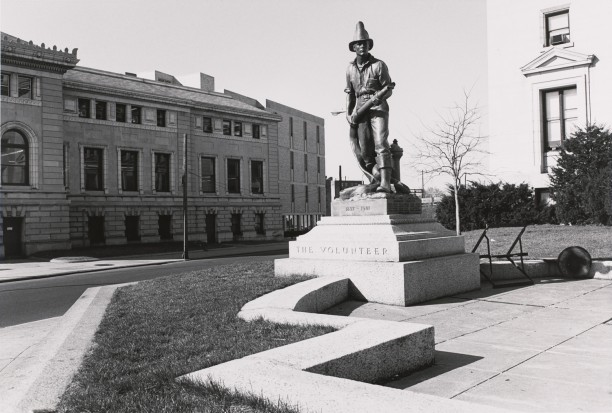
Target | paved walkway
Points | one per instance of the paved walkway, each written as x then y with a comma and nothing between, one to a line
546,347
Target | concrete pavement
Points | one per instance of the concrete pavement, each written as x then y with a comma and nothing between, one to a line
546,347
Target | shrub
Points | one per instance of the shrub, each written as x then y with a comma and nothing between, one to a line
581,183
498,205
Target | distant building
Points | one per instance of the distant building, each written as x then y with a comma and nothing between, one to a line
92,157
338,185
549,70
333,188
301,156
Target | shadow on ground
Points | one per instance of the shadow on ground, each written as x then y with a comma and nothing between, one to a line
445,361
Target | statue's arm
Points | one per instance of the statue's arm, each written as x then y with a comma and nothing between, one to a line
385,79
351,100
350,106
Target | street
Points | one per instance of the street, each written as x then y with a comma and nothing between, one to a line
32,300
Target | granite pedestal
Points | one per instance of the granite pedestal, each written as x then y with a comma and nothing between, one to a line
391,258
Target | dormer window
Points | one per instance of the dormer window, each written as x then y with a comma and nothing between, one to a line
557,27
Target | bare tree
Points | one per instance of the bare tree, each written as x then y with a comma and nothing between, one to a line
452,146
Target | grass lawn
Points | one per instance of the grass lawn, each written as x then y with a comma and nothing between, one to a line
546,241
158,330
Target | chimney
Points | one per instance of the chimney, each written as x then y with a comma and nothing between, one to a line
207,83
166,78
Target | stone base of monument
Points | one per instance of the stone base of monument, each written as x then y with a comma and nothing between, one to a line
398,259
395,283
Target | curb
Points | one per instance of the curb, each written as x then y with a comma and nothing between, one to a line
82,270
40,380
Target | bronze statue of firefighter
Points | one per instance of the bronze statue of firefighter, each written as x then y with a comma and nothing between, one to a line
368,86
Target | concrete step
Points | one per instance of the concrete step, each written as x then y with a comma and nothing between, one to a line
367,351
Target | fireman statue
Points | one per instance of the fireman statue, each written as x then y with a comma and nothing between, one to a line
368,86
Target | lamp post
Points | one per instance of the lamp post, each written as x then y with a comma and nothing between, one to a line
185,218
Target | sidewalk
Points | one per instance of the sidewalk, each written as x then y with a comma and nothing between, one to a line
55,263
545,347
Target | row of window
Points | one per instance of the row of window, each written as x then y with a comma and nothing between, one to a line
306,197
24,85
292,162
15,167
299,222
305,124
292,166
97,234
93,171
231,128
305,134
209,176
84,109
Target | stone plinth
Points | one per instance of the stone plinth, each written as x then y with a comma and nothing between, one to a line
386,238
376,204
390,257
395,283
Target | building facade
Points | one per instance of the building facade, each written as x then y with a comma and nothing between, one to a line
549,71
92,157
301,155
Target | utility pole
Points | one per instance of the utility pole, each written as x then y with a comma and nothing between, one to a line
422,183
185,218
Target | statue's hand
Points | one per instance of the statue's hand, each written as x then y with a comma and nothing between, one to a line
375,101
350,119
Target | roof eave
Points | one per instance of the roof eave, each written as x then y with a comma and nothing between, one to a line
71,84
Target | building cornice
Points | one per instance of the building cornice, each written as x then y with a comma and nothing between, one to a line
17,52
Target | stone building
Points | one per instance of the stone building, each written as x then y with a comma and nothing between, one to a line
92,157
301,153
549,70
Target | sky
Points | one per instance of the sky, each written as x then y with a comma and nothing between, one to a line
289,51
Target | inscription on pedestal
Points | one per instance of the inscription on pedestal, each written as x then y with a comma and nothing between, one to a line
356,209
377,204
335,250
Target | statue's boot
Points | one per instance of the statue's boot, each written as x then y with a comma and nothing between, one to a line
385,180
386,170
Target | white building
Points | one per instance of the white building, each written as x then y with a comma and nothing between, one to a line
549,70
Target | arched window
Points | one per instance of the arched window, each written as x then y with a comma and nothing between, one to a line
15,158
